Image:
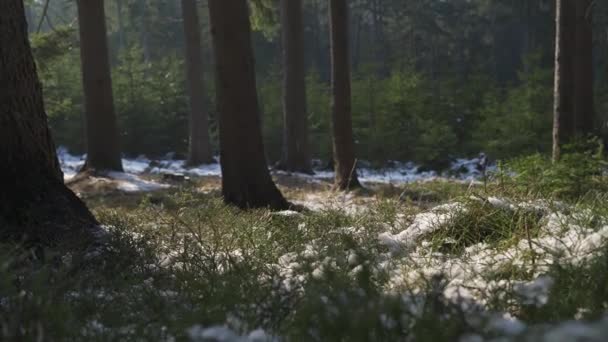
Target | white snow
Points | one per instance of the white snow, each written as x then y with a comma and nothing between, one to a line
423,223
397,173
469,278
223,333
133,183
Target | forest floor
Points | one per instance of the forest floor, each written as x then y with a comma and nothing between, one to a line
434,259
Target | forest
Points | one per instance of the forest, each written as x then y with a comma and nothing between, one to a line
303,170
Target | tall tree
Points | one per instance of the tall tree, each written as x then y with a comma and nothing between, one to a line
343,142
199,149
583,69
103,149
246,181
563,113
296,149
34,202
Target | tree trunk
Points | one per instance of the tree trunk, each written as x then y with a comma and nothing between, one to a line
199,149
121,26
144,33
343,143
563,114
246,181
34,204
296,153
103,150
583,70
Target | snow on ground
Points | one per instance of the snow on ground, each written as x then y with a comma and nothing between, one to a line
461,169
133,183
468,276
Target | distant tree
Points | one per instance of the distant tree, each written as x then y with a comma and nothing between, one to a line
296,149
103,148
246,181
199,149
34,202
563,113
583,69
343,142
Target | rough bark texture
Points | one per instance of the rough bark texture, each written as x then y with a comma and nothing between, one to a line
296,153
246,181
199,148
103,148
34,204
343,143
563,113
583,69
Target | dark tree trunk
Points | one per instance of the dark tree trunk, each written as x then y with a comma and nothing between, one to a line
199,149
583,70
343,143
296,153
563,114
34,203
103,149
246,181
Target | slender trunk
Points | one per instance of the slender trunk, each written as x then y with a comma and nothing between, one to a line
34,204
563,116
343,142
357,42
144,34
296,153
583,70
103,150
199,149
121,26
246,181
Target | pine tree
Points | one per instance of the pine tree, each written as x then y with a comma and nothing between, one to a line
103,148
246,181
296,149
343,142
35,205
199,149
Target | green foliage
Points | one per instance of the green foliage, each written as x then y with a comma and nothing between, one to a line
265,17
575,175
518,121
48,47
151,102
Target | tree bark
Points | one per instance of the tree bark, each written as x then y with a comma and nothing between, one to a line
35,205
121,26
246,182
563,113
296,152
199,148
583,70
103,149
343,142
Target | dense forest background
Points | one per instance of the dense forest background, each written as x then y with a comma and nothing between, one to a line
432,79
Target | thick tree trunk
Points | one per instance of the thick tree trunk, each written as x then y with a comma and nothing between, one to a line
343,143
34,203
296,153
563,113
246,181
199,149
103,149
583,70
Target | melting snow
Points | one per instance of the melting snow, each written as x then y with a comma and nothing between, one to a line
461,169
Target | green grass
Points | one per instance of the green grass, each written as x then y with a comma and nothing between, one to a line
180,258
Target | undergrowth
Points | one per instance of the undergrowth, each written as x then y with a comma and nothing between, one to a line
175,264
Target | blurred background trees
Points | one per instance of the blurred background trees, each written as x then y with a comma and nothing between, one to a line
431,79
